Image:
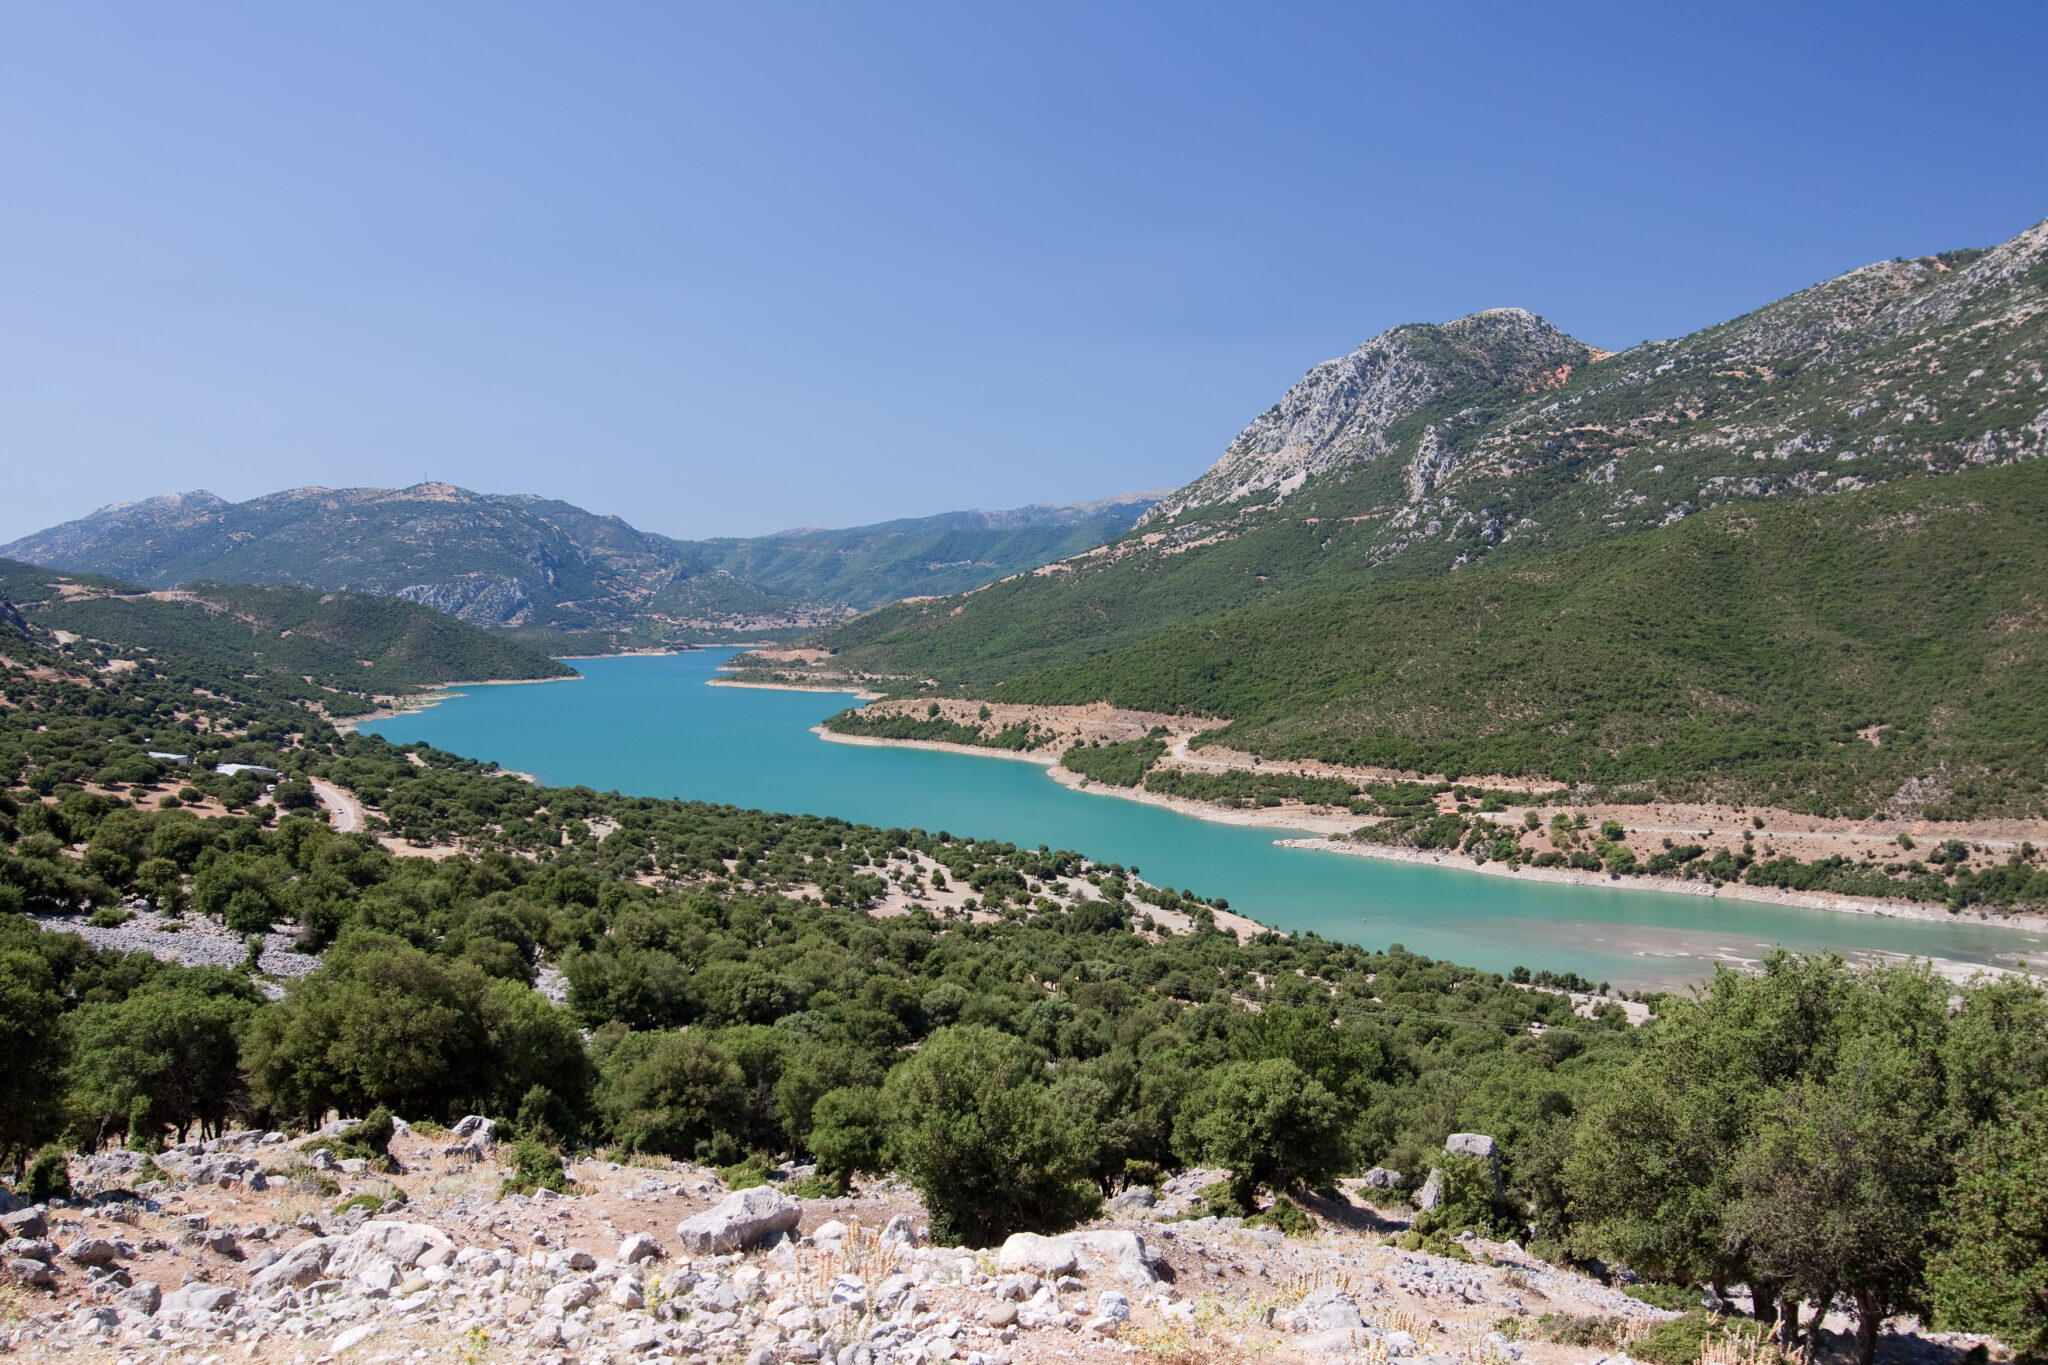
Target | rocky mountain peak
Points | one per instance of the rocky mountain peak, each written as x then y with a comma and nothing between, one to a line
1344,410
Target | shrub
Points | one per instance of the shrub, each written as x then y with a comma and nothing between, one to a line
49,1176
535,1166
973,1126
1285,1217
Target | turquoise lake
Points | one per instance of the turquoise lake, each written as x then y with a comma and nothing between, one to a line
649,726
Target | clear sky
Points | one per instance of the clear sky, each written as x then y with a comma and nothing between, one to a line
722,269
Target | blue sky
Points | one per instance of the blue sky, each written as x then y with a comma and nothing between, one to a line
725,269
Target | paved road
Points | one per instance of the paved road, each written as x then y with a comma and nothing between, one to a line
347,815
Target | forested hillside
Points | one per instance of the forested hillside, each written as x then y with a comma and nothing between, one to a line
1017,1059
338,649
869,565
1439,553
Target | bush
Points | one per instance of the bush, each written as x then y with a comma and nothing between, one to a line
973,1126
848,1135
49,1176
371,1141
535,1166
1285,1217
1992,1274
1468,1200
1267,1121
747,1174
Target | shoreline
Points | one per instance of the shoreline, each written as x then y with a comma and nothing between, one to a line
1805,900
933,745
1307,823
421,701
848,691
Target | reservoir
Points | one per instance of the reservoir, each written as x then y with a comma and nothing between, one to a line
649,726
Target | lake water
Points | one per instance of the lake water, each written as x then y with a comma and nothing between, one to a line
649,726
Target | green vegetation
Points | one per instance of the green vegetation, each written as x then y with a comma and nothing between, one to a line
282,644
1811,1130
952,552
1119,765
1737,654
1617,571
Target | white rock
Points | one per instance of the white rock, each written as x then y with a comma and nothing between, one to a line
742,1220
1113,1305
637,1247
302,1264
1118,1253
1040,1255
354,1336
628,1294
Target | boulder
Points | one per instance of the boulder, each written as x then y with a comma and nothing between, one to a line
24,1221
474,1136
92,1251
114,1163
10,1202
1327,1309
1041,1255
637,1247
742,1220
29,1271
1380,1178
1113,1306
141,1297
1117,1253
299,1265
403,1244
1477,1145
1432,1192
897,1232
199,1297
1133,1199
626,1293
35,1248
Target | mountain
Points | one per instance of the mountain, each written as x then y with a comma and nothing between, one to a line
1495,445
340,649
953,552
542,567
489,559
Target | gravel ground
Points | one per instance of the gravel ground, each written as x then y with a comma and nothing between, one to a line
195,941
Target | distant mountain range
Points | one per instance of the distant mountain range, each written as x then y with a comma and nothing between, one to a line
1391,565
543,567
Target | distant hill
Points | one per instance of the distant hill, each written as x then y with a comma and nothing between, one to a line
1497,442
953,552
543,568
340,649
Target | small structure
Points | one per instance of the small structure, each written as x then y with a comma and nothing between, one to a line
182,760
230,769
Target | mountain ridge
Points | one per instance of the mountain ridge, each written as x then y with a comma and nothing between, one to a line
1899,370
543,566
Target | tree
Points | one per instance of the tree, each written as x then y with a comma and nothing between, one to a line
1653,1171
973,1126
1840,1183
176,1048
848,1135
383,1023
32,1041
1991,1273
675,1093
1270,1123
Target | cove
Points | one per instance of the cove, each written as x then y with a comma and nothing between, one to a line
649,726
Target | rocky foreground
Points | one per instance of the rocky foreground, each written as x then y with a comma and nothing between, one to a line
274,1250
